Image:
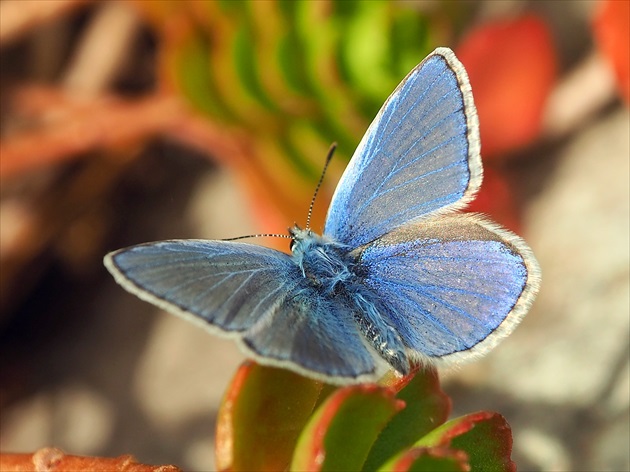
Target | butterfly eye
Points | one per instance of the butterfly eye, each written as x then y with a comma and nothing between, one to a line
292,244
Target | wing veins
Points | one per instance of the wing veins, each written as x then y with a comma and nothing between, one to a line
167,269
474,259
452,289
420,309
209,289
260,302
191,282
385,139
207,258
395,170
438,301
407,182
420,138
208,276
442,288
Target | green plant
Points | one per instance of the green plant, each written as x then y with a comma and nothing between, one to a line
273,419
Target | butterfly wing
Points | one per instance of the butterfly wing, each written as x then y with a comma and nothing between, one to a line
252,293
228,285
318,335
452,286
419,156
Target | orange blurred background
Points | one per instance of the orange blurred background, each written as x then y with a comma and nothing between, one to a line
129,121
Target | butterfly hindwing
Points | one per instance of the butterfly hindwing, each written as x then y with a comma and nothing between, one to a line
419,156
452,286
318,334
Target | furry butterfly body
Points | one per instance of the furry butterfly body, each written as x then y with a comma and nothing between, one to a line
397,277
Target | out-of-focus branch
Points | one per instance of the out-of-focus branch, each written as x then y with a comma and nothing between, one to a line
75,127
18,17
71,127
51,459
68,127
103,49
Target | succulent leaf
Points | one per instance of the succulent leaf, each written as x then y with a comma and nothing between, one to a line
344,427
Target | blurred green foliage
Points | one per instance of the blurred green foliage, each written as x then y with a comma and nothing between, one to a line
299,73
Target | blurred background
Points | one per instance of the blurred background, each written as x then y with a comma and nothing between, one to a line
130,121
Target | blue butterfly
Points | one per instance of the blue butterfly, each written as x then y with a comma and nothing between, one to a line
397,277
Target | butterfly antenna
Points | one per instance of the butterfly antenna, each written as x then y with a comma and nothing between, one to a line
331,151
263,235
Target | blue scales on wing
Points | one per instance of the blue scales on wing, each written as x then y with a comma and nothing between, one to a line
315,332
254,293
449,284
420,155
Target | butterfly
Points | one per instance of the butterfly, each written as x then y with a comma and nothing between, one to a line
397,278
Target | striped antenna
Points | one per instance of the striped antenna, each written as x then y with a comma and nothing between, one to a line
331,151
264,235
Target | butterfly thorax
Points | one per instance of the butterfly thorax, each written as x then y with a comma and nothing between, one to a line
323,261
328,265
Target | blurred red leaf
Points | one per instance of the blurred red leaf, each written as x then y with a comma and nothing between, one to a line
611,28
512,68
485,436
435,459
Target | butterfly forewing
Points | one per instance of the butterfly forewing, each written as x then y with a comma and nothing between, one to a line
419,156
229,285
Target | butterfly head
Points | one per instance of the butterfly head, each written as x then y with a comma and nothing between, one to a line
322,260
300,238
